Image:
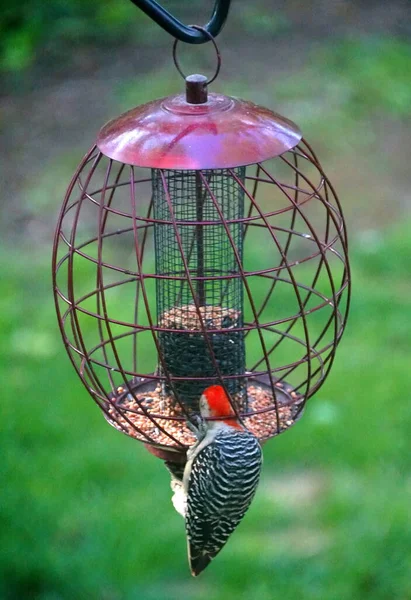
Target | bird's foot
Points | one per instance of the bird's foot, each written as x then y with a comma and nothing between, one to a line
197,426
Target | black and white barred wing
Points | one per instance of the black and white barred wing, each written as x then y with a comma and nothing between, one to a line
222,484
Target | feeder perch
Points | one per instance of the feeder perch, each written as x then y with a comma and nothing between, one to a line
200,242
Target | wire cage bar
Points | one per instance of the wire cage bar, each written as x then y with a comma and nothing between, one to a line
169,281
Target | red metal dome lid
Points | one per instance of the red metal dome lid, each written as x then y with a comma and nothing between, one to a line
223,132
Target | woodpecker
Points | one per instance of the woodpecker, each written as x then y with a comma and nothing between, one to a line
220,478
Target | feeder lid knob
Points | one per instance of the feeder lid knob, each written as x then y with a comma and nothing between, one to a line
196,89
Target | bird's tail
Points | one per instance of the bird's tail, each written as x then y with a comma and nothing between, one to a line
198,562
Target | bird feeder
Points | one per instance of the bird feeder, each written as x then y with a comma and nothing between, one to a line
200,243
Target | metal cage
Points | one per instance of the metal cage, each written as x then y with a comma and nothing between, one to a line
180,273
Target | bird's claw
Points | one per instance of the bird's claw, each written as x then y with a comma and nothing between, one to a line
197,426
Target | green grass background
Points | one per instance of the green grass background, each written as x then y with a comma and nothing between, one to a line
85,511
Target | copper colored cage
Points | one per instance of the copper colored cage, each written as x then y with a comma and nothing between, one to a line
200,243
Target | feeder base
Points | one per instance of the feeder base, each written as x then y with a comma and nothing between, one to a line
142,412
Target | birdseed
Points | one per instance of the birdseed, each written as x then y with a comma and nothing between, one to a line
186,352
127,414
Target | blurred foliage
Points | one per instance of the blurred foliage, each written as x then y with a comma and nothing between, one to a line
352,79
373,74
257,20
33,26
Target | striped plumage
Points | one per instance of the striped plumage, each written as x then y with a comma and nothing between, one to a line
176,470
221,478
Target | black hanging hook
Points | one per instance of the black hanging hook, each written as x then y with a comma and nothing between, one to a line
177,29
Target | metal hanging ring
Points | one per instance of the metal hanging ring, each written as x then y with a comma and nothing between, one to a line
211,38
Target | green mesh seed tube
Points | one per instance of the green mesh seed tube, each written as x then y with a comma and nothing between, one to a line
211,259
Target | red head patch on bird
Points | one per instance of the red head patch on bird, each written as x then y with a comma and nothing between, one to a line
215,403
